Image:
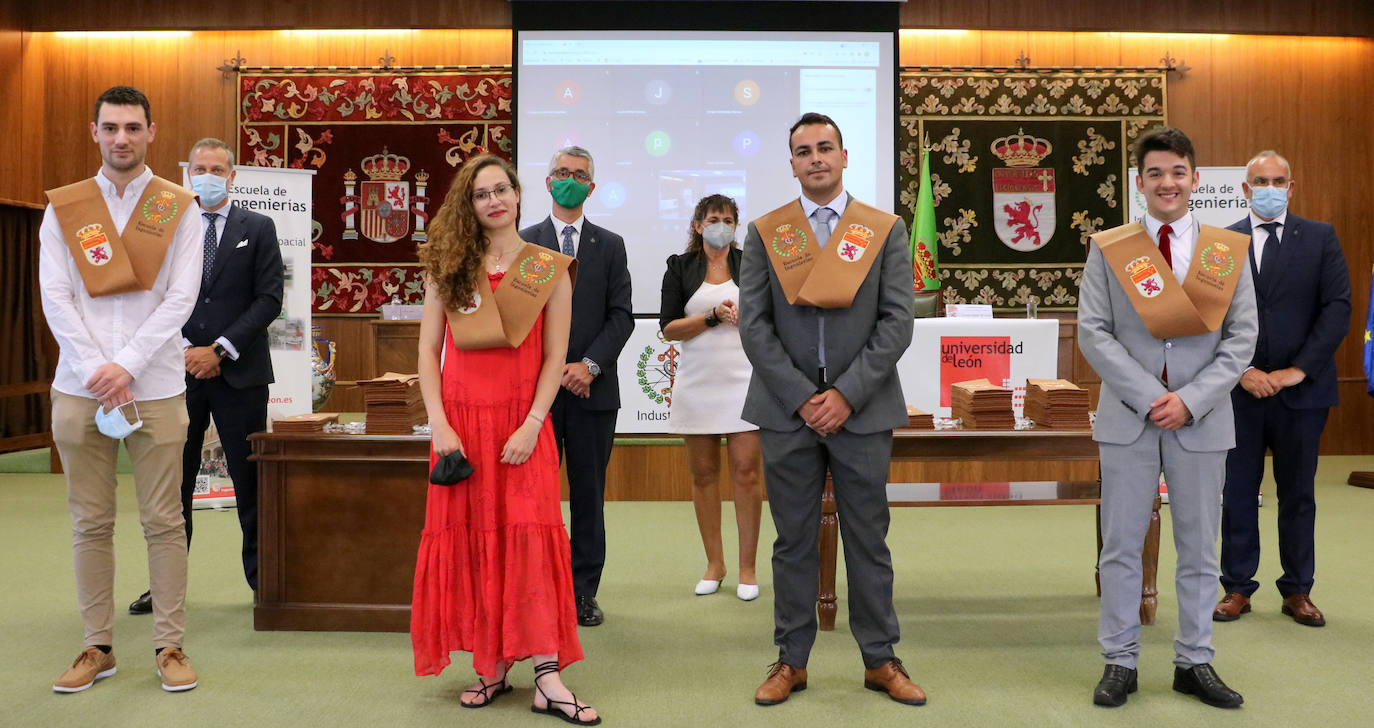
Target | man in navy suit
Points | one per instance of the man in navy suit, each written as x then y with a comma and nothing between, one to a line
228,361
1302,289
602,318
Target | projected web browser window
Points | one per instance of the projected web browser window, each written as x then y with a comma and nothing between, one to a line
673,117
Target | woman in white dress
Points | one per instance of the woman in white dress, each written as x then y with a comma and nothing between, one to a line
699,308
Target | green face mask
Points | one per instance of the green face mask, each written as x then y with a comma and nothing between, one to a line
569,192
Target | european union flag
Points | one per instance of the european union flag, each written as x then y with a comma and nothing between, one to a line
1369,343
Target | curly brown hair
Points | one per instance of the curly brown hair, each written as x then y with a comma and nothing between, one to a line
452,257
706,206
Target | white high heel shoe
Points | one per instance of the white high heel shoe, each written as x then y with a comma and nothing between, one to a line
707,586
747,592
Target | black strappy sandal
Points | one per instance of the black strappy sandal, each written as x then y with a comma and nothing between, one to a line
551,667
502,686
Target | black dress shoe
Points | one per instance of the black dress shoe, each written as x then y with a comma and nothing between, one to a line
1202,681
589,612
1117,682
142,605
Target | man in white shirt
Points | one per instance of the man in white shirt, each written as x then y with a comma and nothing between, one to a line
120,350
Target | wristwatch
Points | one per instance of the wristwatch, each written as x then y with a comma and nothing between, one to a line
592,367
711,319
219,350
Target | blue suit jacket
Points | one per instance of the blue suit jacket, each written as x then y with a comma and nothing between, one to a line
241,298
1304,309
602,314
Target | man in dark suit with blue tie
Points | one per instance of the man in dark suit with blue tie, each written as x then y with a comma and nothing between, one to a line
228,361
584,412
1302,289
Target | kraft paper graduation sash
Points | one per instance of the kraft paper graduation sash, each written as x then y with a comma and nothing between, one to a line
1168,309
504,317
111,262
829,277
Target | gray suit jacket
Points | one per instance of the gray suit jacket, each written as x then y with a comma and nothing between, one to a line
1202,369
863,342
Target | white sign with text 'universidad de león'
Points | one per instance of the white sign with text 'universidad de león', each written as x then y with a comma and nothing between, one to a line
285,196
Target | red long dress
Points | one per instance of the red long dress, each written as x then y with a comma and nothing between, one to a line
494,575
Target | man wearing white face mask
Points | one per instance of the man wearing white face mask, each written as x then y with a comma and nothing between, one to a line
1302,289
119,267
227,360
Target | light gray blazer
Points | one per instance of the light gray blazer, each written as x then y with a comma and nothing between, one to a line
1202,369
862,342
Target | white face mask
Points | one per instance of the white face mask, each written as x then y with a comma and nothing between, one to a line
718,234
115,424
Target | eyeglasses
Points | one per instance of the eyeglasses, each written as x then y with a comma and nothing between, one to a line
564,173
497,191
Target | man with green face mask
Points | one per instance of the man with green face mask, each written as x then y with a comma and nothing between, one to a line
1302,288
584,412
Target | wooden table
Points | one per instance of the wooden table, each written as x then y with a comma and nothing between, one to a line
339,526
957,445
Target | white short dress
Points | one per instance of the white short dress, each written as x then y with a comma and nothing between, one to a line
712,372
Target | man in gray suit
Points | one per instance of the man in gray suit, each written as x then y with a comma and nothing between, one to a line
825,394
1165,407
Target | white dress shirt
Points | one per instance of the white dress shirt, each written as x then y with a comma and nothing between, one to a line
838,205
1181,243
221,219
1259,236
558,226
140,331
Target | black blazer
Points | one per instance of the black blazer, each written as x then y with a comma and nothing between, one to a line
686,272
602,313
1304,309
241,297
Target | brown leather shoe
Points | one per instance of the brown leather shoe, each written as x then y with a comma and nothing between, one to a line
1303,611
1231,607
783,680
893,679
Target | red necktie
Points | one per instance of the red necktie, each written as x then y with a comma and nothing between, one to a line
1165,232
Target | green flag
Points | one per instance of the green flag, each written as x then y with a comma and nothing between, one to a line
925,248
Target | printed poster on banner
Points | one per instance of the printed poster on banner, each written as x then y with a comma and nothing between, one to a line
1005,351
1218,200
647,367
285,196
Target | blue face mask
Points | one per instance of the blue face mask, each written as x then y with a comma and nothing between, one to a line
115,424
212,189
1268,202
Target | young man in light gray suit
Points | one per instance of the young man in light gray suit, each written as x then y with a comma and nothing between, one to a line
1165,407
825,394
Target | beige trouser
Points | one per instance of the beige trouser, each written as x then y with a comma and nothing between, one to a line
88,458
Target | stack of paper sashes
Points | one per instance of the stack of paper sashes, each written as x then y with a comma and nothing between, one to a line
393,404
982,405
1057,403
313,422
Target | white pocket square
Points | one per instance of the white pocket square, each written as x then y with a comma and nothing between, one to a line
242,244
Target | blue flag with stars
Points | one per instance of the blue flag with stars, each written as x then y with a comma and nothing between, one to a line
1369,343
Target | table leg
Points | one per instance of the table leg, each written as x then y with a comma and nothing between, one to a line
1149,593
830,541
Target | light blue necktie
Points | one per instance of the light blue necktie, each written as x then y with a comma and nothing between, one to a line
825,218
567,241
211,244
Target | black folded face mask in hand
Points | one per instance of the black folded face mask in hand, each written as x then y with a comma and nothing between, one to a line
451,469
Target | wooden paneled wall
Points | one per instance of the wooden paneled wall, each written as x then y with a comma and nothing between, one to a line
1306,97
1326,17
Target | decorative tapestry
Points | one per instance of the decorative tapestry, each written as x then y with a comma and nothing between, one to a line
386,143
1025,166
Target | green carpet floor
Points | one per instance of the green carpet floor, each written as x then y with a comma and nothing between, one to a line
996,605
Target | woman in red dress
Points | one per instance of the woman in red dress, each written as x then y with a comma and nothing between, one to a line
493,576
